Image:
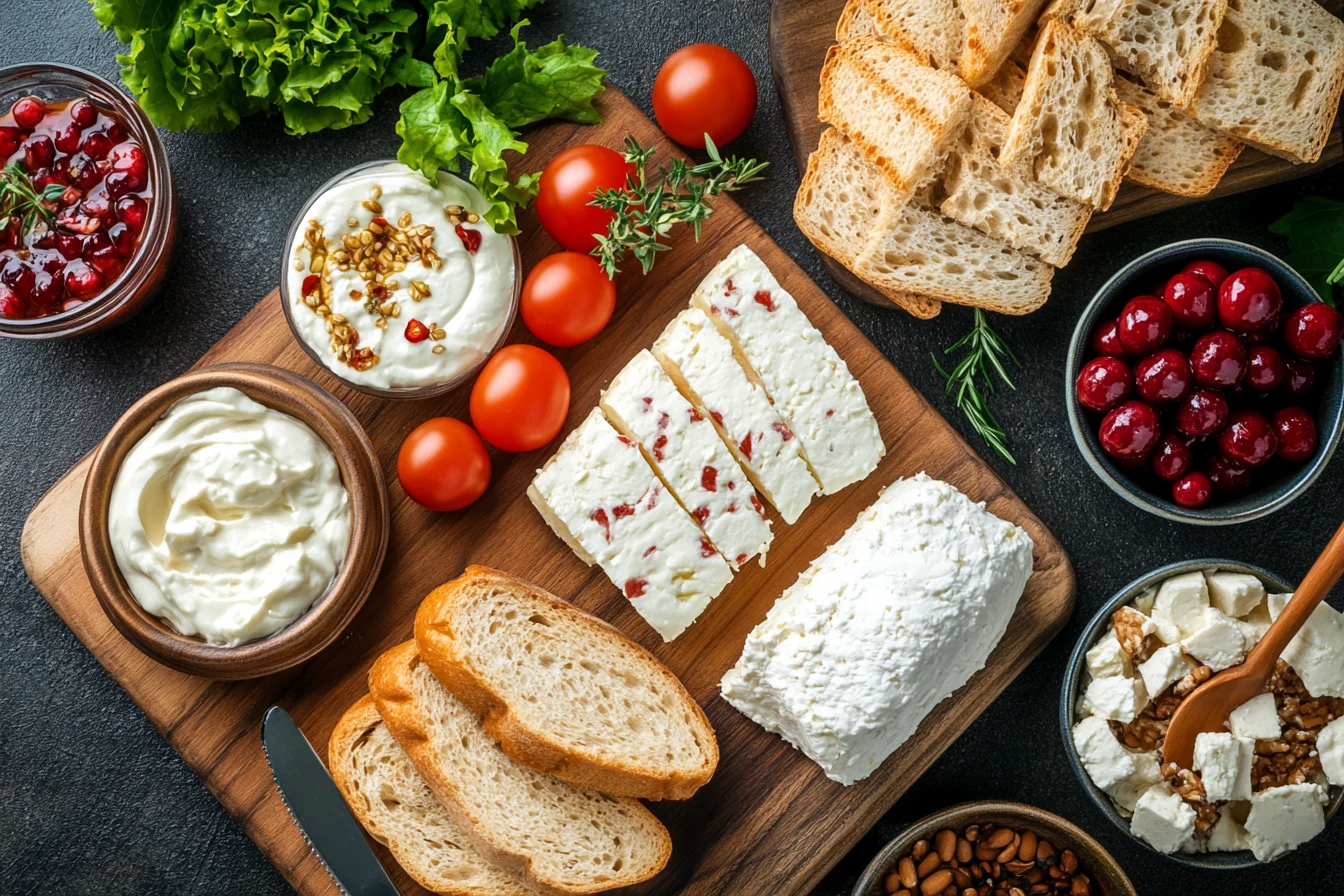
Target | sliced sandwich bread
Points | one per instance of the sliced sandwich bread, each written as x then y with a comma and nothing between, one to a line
397,808
855,21
933,29
1275,78
994,29
562,691
1007,202
561,837
1177,154
1070,130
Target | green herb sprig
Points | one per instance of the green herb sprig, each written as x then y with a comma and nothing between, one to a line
645,213
19,198
987,356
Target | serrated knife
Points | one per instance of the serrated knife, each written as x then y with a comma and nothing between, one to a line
319,810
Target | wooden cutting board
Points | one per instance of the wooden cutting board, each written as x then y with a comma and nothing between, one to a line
769,822
802,30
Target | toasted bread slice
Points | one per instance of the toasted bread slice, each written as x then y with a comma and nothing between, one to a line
1275,78
1070,130
1005,88
1177,154
994,28
562,691
397,808
561,837
855,21
934,29
1003,202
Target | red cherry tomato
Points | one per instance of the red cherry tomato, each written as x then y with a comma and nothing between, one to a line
520,399
443,464
567,299
704,89
568,183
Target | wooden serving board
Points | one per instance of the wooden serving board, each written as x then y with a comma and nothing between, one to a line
769,822
802,30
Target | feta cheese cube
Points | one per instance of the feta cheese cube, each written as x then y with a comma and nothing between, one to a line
1163,819
1107,657
1182,600
1256,719
1235,593
1144,602
1147,772
1283,818
1257,622
1219,643
1224,765
1330,747
1317,652
1228,835
1107,761
1164,668
1116,697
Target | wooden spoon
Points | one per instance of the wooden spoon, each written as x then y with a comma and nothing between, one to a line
1209,705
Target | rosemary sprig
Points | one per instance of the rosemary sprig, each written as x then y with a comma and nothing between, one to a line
19,198
646,213
986,354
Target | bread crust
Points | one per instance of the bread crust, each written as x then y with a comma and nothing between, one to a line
538,749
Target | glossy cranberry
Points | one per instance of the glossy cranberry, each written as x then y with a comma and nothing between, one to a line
1129,433
97,207
1211,271
67,141
1248,439
46,289
1313,331
1145,325
54,265
19,277
123,239
94,242
119,183
106,261
1192,300
115,132
38,152
1218,359
83,113
11,306
10,138
1299,379
1162,378
131,212
130,157
1103,383
96,146
82,281
1228,476
1249,301
28,112
1265,368
1297,434
1193,490
69,246
87,175
1106,340
1172,457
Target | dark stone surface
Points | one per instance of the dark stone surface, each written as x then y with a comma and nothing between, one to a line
93,801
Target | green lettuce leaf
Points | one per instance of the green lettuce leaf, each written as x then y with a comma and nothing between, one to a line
453,24
1315,231
554,81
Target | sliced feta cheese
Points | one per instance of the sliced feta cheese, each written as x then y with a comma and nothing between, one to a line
1235,593
1107,657
1147,772
701,362
1219,643
1107,761
1317,652
1164,668
1257,621
890,620
808,382
1283,818
1330,748
644,404
1144,602
1224,765
601,496
1256,719
1228,835
1163,819
1181,600
1116,697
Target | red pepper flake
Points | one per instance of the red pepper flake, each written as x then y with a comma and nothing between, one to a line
745,447
416,331
378,291
471,239
696,416
653,498
718,418
709,479
732,508
756,503
784,432
664,420
648,403
310,284
380,221
831,412
706,549
701,515
741,558
732,484
600,517
650,551
623,510
728,288
635,588
659,444
764,299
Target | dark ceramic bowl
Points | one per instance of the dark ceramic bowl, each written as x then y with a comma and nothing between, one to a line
1105,873
1276,486
1073,685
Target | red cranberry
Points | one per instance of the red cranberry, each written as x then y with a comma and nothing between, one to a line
38,152
87,175
67,141
130,157
1193,490
1297,434
83,113
1264,367
1211,271
1218,359
106,261
10,138
19,277
1163,377
1313,331
1248,438
55,266
123,239
1249,301
97,207
1228,476
96,146
131,212
82,281
1106,340
46,289
1129,433
1171,458
11,306
1145,325
115,132
69,246
28,112
1192,299
1103,383
120,183
1299,379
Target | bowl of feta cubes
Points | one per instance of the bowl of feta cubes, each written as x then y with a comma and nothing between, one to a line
1259,789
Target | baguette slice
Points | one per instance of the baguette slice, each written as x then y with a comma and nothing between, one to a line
1177,154
562,691
935,30
568,840
1275,78
994,28
397,808
1070,130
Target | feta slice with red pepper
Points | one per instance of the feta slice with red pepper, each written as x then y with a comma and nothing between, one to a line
809,383
601,496
700,360
680,442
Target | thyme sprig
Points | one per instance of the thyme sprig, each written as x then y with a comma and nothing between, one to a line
987,356
646,213
19,198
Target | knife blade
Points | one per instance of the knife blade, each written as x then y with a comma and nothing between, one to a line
319,810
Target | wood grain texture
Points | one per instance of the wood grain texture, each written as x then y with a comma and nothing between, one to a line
802,30
769,822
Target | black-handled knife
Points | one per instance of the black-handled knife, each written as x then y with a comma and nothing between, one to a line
319,810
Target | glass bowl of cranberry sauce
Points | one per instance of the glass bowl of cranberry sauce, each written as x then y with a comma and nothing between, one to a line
88,212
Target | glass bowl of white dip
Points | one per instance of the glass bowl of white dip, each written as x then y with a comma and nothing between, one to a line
396,285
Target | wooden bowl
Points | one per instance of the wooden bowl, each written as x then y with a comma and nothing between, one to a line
361,474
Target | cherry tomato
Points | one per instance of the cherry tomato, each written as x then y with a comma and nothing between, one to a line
443,464
568,184
567,298
704,89
520,399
